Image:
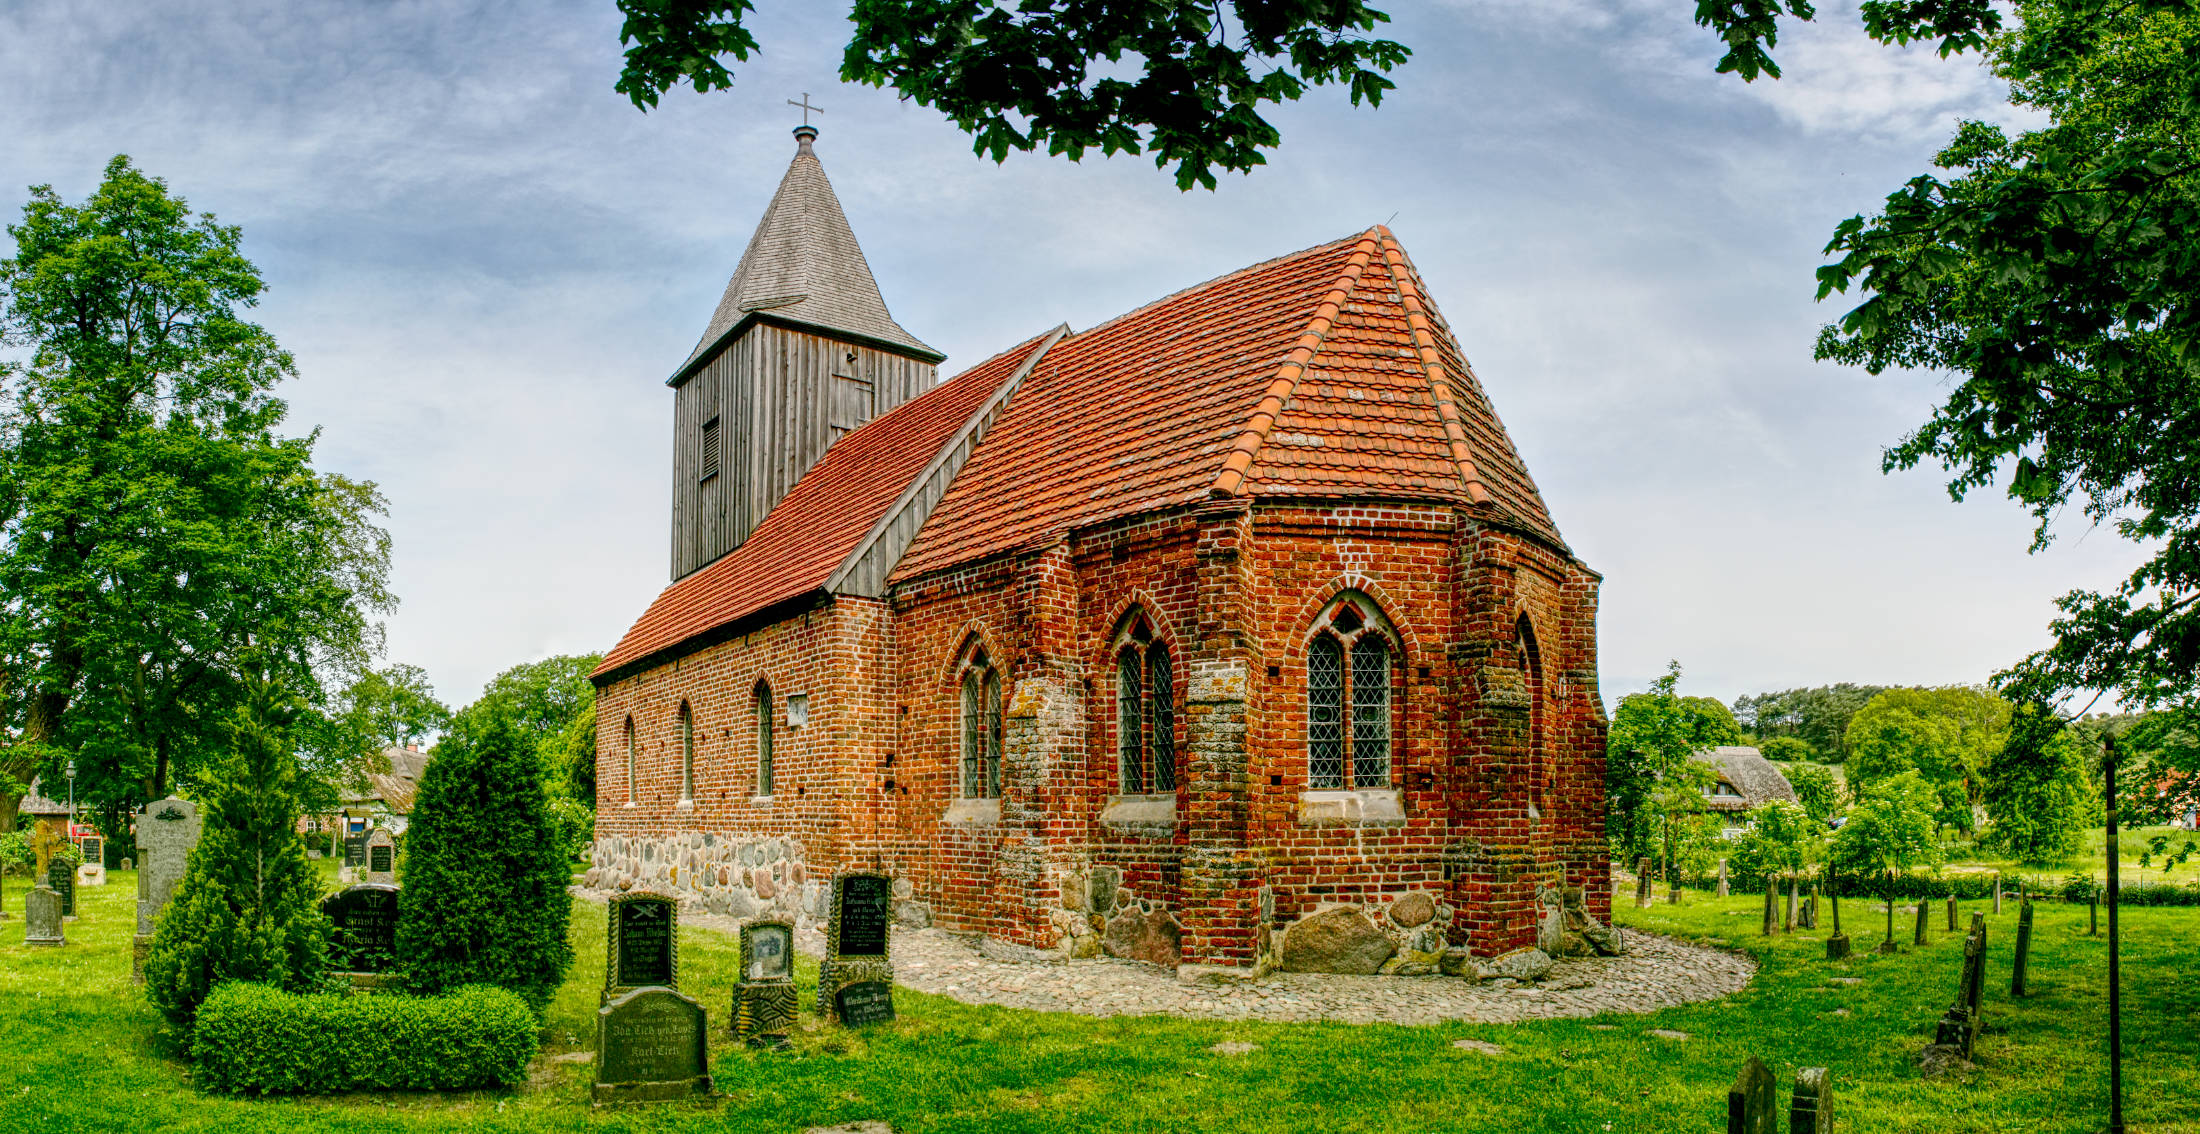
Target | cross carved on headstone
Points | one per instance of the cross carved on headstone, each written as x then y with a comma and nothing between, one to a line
807,109
45,845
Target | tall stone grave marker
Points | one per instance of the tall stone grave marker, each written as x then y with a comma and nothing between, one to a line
1958,1029
2024,947
1772,901
764,1001
1997,893
1642,883
167,829
1722,878
855,983
1837,946
381,859
364,943
642,944
652,1044
1750,1107
1924,911
1810,1111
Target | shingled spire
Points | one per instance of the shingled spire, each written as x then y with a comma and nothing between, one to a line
799,353
803,268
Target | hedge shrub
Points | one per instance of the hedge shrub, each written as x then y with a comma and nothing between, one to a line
259,1040
1973,886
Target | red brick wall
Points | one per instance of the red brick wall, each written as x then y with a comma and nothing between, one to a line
1234,594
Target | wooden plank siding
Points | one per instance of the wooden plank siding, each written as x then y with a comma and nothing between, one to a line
781,396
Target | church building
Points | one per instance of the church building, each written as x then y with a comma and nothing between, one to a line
1153,639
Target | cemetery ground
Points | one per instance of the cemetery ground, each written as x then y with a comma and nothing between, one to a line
84,1052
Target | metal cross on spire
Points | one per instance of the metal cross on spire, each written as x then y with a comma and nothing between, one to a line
807,109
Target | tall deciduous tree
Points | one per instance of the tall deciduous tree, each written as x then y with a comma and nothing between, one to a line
1649,777
2056,275
1947,735
156,530
2037,793
392,707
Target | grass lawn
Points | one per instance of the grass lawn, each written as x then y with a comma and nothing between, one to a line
83,1051
2091,857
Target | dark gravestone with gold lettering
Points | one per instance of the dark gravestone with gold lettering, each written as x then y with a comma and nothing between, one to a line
764,1001
61,878
856,980
364,937
652,1044
642,946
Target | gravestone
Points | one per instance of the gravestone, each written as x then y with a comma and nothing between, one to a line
355,851
2093,914
1924,909
1809,915
62,880
167,829
1750,1105
1722,878
42,918
1958,1029
764,1001
1787,919
641,944
1772,902
1951,913
652,1044
364,940
381,859
1642,883
856,980
1997,893
2024,947
1810,1111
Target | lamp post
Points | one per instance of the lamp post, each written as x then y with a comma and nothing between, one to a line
69,773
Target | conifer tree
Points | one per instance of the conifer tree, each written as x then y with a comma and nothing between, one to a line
485,874
247,907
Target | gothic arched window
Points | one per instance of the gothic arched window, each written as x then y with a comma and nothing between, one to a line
981,729
763,739
687,752
1349,662
1145,712
630,760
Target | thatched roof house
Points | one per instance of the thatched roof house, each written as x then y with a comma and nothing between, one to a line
1746,779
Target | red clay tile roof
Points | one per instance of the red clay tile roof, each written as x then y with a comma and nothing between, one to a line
1320,373
810,532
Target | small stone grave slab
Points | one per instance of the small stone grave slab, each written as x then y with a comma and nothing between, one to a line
1810,1110
1750,1107
1483,1046
1667,1034
856,980
381,859
642,944
1240,1047
764,1001
365,921
652,1045
42,918
167,829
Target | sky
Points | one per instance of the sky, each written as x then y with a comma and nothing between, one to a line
486,263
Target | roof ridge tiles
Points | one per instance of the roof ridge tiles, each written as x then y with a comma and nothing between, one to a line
1421,327
1247,446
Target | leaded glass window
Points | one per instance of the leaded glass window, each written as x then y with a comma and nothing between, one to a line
1129,721
763,740
1349,748
687,752
1370,711
1324,714
981,731
1160,718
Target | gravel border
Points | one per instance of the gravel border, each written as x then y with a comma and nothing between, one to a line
1655,973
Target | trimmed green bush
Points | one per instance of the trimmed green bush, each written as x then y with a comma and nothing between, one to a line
256,1040
485,877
